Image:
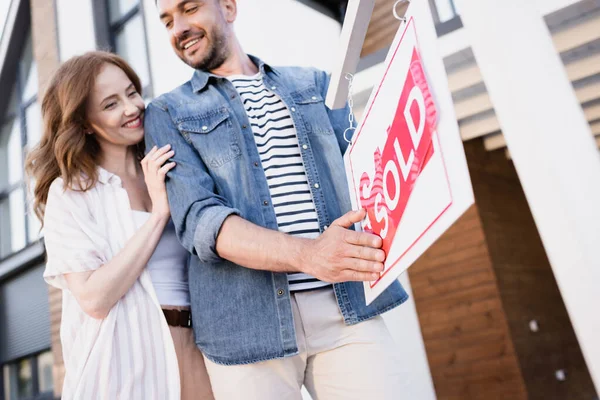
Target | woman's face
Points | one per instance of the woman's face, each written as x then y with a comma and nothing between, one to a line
115,110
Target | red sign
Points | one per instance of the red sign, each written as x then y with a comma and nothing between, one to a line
405,153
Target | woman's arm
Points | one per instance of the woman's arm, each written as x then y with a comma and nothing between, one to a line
98,291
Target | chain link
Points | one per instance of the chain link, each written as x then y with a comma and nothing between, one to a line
350,79
351,126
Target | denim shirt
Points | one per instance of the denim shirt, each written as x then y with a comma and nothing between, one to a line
243,315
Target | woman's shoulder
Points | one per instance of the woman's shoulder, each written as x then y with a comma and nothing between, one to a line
78,185
66,194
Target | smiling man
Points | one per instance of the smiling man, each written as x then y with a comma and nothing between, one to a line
259,197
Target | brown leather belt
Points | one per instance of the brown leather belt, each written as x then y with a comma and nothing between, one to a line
178,318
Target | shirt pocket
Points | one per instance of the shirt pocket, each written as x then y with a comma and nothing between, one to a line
313,111
213,136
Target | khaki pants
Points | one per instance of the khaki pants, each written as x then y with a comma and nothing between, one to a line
336,361
192,371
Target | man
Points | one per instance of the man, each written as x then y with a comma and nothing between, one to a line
258,197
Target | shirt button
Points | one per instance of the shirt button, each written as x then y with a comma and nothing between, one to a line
232,96
280,292
273,87
204,127
293,109
304,146
314,97
256,164
316,186
265,203
244,126
325,227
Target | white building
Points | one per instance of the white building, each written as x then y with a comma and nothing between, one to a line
468,331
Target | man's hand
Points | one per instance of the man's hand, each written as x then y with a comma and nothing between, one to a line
341,255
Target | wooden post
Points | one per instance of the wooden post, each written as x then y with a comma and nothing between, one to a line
356,23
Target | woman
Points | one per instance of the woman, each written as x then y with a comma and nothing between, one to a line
110,243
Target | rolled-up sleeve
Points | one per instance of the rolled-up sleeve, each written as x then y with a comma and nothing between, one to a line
197,211
74,242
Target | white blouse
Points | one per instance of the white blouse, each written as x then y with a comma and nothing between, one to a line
129,354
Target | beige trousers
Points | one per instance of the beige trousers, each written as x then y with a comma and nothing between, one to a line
192,371
336,361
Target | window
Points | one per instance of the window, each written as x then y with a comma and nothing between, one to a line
29,378
446,10
20,128
127,37
445,15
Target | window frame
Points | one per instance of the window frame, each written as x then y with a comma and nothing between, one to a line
453,24
107,31
11,80
33,358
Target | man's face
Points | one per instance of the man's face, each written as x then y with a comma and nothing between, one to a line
197,30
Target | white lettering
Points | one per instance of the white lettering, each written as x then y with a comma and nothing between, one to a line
381,214
415,95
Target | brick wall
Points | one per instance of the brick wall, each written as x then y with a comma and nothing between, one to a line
45,51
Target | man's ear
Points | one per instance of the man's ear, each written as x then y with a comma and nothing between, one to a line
229,9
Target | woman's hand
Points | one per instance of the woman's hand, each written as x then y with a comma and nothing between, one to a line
154,175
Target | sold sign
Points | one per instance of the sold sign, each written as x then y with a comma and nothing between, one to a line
406,151
406,164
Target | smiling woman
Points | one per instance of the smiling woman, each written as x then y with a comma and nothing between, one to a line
110,244
115,109
65,150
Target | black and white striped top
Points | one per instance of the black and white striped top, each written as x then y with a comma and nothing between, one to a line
277,143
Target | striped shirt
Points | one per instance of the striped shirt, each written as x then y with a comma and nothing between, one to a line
129,354
277,143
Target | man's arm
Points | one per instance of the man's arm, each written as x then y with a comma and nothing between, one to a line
338,255
208,226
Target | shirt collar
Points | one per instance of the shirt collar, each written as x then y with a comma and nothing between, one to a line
200,78
106,177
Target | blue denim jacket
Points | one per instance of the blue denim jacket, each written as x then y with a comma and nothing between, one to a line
242,315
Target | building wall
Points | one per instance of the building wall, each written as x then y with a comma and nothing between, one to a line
469,289
526,282
464,324
46,53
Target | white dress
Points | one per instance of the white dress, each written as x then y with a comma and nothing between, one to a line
129,354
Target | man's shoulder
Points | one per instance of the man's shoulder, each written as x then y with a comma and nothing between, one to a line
299,73
173,98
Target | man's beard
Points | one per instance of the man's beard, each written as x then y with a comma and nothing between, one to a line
217,52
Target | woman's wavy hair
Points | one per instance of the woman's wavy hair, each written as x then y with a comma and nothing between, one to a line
65,150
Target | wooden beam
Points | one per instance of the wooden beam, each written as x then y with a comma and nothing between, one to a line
482,102
592,113
356,23
577,35
479,127
507,154
588,92
464,77
473,105
595,128
494,142
583,68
